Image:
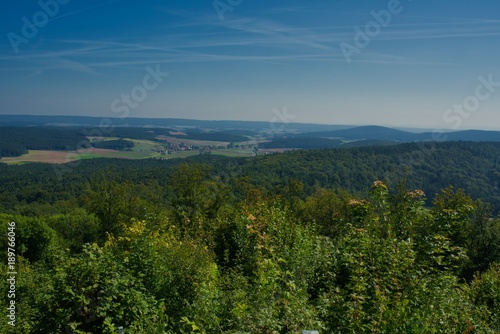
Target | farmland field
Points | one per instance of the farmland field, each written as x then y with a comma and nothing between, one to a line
142,149
39,156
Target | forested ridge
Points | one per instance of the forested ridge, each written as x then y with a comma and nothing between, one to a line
474,167
304,143
361,240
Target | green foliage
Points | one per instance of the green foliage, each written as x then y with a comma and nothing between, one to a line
484,292
448,235
170,269
483,241
383,285
452,212
196,198
115,202
94,293
35,240
217,254
281,281
75,229
332,210
31,283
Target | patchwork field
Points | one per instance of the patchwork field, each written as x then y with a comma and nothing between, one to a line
143,149
54,157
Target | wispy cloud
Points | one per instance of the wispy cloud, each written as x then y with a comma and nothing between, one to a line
34,74
63,15
249,39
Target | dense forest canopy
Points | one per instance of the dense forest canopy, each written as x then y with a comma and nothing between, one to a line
361,240
474,167
304,143
15,141
119,144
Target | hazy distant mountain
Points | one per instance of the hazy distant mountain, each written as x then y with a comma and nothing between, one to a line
302,143
274,125
473,135
370,142
368,133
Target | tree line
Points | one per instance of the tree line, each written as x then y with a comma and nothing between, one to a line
15,141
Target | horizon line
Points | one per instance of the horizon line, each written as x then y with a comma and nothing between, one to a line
390,126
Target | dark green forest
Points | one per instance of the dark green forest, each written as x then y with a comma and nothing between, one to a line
15,141
119,144
304,143
395,239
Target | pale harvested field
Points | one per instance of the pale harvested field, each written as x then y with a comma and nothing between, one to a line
53,157
143,150
58,157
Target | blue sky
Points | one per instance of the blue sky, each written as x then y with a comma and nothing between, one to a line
256,57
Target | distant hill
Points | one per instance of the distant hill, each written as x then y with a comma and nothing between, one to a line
302,143
282,135
473,135
367,143
366,133
388,134
272,124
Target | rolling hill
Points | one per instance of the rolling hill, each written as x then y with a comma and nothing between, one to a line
389,134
